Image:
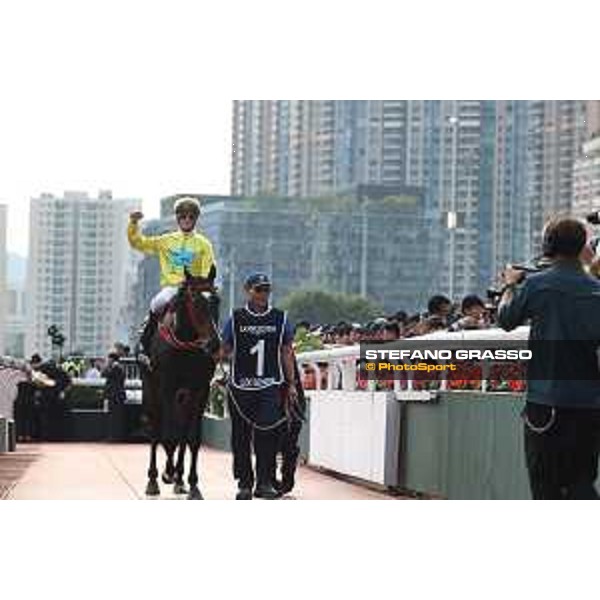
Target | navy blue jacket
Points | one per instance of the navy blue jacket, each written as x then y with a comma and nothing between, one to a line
562,304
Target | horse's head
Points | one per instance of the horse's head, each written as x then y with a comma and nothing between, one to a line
194,307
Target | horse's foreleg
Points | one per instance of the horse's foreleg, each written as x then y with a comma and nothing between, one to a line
195,493
168,475
152,488
179,487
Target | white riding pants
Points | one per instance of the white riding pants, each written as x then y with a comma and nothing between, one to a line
158,303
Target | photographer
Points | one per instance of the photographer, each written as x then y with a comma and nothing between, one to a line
439,309
474,314
562,412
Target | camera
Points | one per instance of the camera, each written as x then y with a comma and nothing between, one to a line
537,265
593,218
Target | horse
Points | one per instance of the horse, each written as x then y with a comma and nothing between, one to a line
175,388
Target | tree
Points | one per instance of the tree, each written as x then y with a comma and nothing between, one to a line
316,306
305,341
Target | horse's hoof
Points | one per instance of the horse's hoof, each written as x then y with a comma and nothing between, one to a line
166,478
179,489
152,488
195,494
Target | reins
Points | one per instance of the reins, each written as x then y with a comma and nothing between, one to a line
167,333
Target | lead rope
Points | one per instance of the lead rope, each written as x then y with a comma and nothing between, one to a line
249,421
226,385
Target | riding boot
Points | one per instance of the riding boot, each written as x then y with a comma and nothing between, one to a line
147,331
214,302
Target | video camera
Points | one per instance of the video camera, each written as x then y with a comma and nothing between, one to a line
537,265
593,218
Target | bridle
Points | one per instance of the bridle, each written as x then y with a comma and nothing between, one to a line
167,333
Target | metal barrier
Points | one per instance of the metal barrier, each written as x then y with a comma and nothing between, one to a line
132,369
3,434
8,439
133,391
12,436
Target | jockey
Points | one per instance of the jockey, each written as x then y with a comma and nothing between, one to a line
177,251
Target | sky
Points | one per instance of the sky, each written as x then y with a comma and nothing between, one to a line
135,96
98,98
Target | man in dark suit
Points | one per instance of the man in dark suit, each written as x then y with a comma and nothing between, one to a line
562,413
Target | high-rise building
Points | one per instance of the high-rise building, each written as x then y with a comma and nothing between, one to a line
286,147
453,158
586,179
349,244
16,314
556,132
81,272
318,148
3,264
508,230
592,118
491,171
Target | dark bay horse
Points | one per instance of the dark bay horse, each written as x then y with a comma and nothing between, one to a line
176,388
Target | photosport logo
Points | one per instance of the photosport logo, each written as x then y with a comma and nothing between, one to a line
433,360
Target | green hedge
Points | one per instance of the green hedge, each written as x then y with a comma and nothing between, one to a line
92,398
84,397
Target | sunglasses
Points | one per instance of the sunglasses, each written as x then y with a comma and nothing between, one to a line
183,216
262,288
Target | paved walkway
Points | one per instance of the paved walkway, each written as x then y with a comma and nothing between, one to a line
117,472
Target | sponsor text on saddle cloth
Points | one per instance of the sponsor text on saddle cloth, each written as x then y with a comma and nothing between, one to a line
257,342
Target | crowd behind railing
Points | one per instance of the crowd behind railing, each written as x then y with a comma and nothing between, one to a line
441,315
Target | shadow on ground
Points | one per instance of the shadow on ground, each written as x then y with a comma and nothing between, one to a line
13,466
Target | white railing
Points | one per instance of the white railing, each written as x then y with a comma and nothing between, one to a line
341,363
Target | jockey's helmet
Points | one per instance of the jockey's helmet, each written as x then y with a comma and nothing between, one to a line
187,204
